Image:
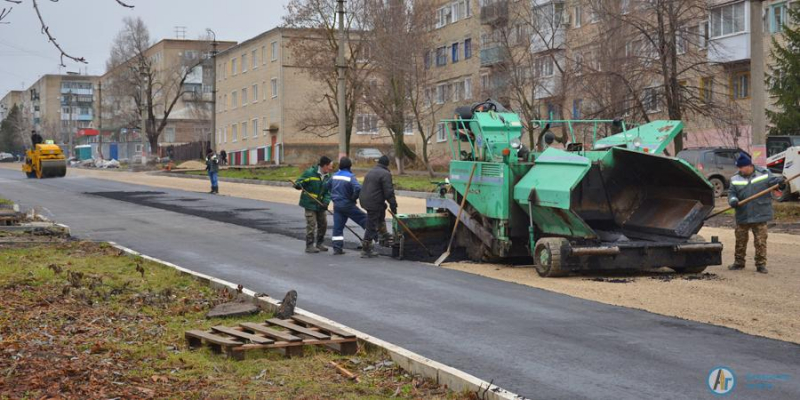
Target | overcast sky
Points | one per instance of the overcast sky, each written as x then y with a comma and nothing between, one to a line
85,28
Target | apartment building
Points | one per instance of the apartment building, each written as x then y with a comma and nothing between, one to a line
190,117
8,101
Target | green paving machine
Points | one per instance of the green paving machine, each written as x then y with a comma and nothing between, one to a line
616,202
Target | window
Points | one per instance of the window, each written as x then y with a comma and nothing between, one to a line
443,16
274,46
578,15
727,20
543,67
408,129
244,63
681,44
468,89
458,91
264,55
467,49
225,103
234,133
454,50
255,93
264,89
486,84
625,6
244,130
594,16
169,134
234,65
234,100
244,97
441,56
274,83
777,17
441,134
740,85
577,105
427,57
254,59
219,136
366,124
441,93
255,127
650,100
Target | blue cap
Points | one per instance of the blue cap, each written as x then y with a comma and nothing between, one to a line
743,160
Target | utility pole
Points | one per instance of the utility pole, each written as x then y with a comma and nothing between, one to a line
342,98
100,119
213,139
143,130
71,128
757,86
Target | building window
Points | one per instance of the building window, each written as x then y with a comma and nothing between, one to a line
578,15
467,49
681,44
234,65
467,88
408,129
244,130
274,83
441,134
577,105
443,16
650,100
777,17
244,63
169,134
264,89
441,93
254,59
274,46
225,102
427,59
707,90
727,20
740,85
264,55
234,133
486,84
543,67
234,100
244,97
366,124
255,93
441,56
455,50
255,127
458,90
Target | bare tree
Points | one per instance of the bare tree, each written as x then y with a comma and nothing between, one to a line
142,81
314,47
6,11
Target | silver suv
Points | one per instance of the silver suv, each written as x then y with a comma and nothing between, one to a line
717,164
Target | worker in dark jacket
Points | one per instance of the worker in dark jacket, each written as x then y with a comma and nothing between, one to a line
377,190
344,189
315,200
754,215
212,167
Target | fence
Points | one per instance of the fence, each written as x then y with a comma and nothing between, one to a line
186,152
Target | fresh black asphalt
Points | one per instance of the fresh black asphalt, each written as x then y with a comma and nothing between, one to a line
533,342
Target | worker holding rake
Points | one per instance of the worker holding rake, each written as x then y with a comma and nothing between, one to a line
315,199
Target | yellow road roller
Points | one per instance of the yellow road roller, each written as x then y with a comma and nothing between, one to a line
45,160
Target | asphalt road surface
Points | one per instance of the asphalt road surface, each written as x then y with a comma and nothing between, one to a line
536,343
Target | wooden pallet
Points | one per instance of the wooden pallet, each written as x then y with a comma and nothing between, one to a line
286,335
10,217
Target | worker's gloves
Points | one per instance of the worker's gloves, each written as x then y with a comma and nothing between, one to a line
393,209
734,202
782,185
298,187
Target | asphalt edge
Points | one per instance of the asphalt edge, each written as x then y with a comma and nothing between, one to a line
453,378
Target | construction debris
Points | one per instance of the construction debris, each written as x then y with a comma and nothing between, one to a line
286,310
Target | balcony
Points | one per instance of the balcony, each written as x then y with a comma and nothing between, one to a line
730,49
495,13
555,39
197,97
493,55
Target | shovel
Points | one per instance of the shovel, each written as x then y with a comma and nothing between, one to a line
446,254
753,197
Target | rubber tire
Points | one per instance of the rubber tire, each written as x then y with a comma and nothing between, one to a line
547,257
689,270
719,187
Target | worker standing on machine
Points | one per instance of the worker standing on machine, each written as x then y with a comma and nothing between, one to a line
315,200
754,215
377,190
212,167
344,189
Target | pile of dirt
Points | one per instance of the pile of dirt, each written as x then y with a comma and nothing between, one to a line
191,165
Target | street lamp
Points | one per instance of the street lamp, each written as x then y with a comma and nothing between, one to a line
213,140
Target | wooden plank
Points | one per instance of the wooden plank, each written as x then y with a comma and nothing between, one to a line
269,332
323,326
212,338
307,342
298,329
244,335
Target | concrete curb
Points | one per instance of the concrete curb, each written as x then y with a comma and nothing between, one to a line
454,379
403,193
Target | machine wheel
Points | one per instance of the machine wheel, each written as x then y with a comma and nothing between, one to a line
547,257
719,186
782,195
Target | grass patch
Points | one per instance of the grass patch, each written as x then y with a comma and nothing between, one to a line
787,212
417,183
6,202
80,320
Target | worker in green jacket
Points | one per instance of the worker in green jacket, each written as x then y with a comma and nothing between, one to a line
313,184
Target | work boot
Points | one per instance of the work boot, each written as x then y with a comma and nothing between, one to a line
735,267
762,269
321,247
366,250
212,190
386,240
311,249
338,252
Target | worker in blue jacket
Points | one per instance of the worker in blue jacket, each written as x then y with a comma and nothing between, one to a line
344,189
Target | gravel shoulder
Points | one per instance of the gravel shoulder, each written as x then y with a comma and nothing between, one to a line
763,305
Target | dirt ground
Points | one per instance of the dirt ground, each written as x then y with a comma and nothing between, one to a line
764,305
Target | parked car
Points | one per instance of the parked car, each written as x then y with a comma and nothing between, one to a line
368,154
717,164
7,157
